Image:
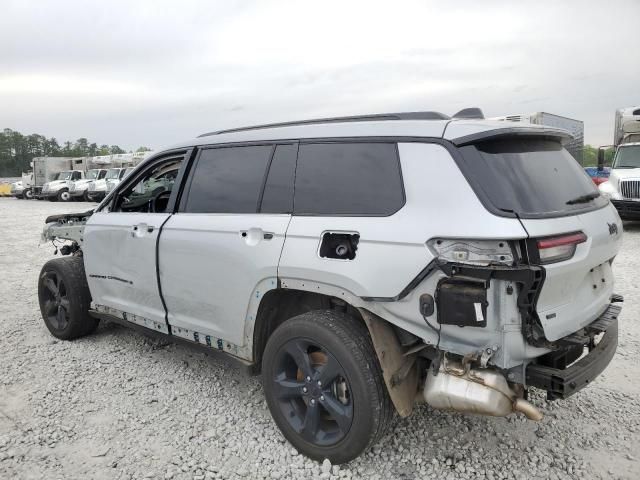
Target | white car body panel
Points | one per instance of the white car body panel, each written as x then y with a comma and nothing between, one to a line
576,291
120,262
209,271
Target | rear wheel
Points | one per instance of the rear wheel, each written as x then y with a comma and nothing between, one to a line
324,386
65,299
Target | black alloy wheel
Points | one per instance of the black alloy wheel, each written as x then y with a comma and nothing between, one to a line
313,392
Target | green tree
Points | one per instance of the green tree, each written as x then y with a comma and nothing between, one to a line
115,149
590,156
17,150
81,148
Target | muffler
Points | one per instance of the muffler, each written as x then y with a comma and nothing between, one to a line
479,391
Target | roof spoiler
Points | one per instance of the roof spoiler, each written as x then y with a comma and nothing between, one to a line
552,133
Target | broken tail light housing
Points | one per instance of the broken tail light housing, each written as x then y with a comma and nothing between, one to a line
470,251
559,247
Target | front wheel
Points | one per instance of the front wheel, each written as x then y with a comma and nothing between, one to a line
324,386
65,298
64,196
27,194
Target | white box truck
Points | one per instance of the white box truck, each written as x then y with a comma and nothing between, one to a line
623,186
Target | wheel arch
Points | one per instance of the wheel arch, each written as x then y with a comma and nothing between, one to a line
279,305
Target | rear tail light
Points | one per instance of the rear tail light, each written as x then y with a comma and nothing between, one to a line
560,247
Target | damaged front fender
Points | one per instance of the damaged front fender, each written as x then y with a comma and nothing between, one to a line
65,227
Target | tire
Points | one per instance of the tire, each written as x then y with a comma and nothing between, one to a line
64,298
27,194
85,196
63,196
352,411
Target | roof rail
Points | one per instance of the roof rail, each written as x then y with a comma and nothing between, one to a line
357,118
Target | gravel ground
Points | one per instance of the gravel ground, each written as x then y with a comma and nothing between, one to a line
121,405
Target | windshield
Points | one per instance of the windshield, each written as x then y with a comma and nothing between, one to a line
92,174
64,176
129,170
627,157
113,173
530,177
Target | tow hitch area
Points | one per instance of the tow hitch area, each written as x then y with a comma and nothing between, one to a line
551,372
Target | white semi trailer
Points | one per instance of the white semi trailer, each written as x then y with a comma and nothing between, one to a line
575,146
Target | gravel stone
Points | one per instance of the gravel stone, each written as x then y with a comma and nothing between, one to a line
152,407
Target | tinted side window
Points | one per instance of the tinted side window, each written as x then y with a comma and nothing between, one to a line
228,180
348,179
278,191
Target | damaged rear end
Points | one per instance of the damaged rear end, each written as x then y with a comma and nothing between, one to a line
547,298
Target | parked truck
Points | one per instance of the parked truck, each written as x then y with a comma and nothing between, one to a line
575,146
122,165
623,186
49,169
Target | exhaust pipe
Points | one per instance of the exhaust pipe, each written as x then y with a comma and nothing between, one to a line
479,391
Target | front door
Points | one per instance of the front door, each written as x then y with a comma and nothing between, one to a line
120,243
219,254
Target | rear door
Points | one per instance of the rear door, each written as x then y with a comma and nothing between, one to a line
219,253
538,181
120,243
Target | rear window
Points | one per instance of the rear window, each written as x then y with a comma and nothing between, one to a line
530,177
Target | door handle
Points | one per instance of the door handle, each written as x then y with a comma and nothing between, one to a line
141,229
253,236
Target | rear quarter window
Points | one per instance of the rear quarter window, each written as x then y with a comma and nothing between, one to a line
349,179
529,176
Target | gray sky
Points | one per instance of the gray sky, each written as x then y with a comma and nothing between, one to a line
153,73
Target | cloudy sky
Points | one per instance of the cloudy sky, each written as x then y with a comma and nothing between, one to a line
152,73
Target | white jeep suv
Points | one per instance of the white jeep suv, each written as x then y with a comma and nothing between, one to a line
359,263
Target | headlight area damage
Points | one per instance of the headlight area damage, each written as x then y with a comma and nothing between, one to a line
66,228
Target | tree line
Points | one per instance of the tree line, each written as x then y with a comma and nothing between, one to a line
17,150
590,156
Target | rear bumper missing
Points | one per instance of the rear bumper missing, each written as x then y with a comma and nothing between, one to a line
564,382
